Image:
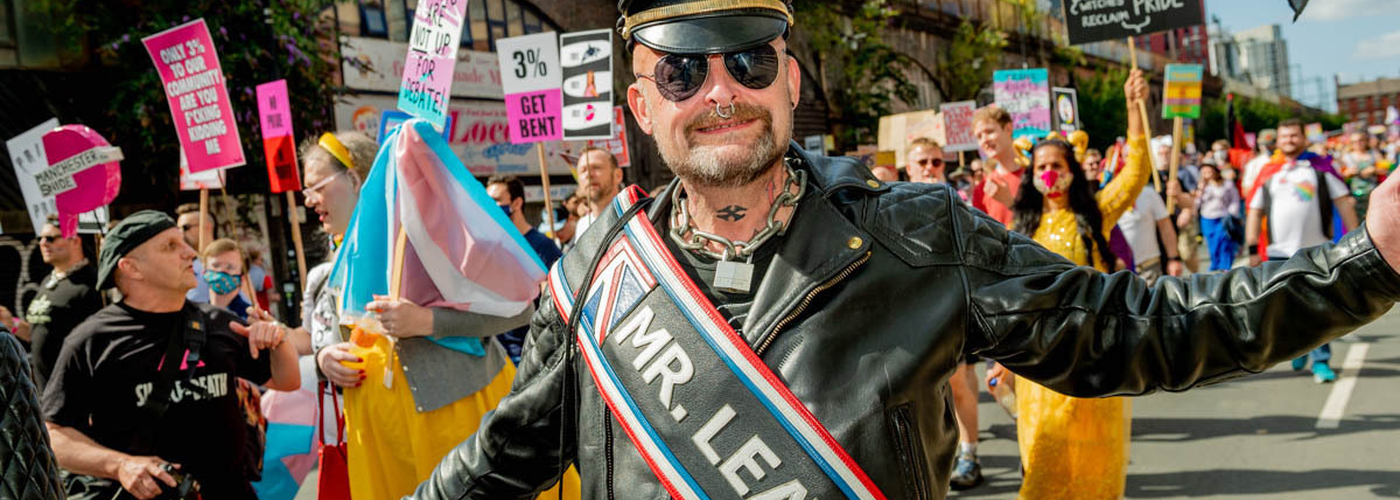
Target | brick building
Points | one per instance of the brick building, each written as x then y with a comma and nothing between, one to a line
1367,101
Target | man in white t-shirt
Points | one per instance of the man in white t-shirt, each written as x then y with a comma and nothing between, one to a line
1290,199
1144,226
1268,138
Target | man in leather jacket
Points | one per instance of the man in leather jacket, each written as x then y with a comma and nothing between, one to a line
870,296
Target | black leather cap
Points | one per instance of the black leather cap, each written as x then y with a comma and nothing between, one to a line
703,26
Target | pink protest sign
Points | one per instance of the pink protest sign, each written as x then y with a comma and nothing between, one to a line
84,173
432,55
194,84
957,117
274,110
531,79
278,146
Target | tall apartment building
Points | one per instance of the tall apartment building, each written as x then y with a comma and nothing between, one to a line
1262,58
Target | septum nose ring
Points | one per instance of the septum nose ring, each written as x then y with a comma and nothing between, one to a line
722,114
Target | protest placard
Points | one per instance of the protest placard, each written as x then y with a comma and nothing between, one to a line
1182,93
279,145
27,155
83,174
1098,20
897,131
432,57
1025,95
208,179
957,126
1314,133
586,61
189,69
1066,110
530,75
617,145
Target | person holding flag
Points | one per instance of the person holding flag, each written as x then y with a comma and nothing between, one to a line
420,370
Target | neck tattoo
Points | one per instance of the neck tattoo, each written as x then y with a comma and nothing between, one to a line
732,213
734,272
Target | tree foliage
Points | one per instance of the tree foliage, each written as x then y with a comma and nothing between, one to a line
1103,107
1254,115
966,63
861,73
290,39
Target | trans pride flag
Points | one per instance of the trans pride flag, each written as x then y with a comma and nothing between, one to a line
462,251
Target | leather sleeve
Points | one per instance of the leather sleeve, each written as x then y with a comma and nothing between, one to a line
516,452
1085,333
30,471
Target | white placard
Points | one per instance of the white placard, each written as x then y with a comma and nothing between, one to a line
58,178
28,156
529,63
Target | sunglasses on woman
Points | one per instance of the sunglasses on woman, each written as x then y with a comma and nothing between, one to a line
679,76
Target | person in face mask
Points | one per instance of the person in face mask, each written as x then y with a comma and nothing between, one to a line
1056,206
509,194
223,273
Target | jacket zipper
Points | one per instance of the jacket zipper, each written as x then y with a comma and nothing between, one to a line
908,449
806,301
608,448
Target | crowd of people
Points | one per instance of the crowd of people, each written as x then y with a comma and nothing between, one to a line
1014,258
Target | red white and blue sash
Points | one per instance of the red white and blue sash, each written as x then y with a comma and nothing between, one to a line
706,413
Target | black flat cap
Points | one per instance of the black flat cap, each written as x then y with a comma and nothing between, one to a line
703,26
130,233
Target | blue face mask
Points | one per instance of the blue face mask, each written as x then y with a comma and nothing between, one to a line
221,282
506,209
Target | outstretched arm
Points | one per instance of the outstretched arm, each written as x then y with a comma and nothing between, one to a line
1085,333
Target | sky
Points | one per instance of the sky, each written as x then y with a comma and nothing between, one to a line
1353,39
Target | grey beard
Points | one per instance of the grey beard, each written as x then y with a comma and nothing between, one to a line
702,165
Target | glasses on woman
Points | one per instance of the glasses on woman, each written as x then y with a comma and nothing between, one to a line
315,189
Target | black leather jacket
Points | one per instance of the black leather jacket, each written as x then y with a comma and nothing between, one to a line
880,290
27,467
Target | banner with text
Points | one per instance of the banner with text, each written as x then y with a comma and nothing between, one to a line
957,126
586,60
1182,93
194,84
1099,20
432,56
1066,110
1025,94
530,75
279,146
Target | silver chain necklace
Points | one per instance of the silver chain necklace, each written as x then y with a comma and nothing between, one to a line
734,272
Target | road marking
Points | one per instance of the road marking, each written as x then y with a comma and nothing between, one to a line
1336,405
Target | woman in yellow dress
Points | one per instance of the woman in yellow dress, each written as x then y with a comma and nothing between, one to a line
1074,448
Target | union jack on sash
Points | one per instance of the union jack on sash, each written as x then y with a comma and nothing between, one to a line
638,280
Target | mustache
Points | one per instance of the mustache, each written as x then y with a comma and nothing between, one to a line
742,112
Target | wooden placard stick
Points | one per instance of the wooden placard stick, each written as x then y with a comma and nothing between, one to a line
1146,121
548,202
296,236
1175,160
203,214
396,279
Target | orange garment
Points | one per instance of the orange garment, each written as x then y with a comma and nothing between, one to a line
1075,448
996,209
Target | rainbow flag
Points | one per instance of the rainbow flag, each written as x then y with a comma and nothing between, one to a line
462,251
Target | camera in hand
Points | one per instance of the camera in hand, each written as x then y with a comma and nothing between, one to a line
186,487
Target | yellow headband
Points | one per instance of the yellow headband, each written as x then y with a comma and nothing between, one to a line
701,7
333,146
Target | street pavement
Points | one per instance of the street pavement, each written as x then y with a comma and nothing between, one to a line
1274,435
